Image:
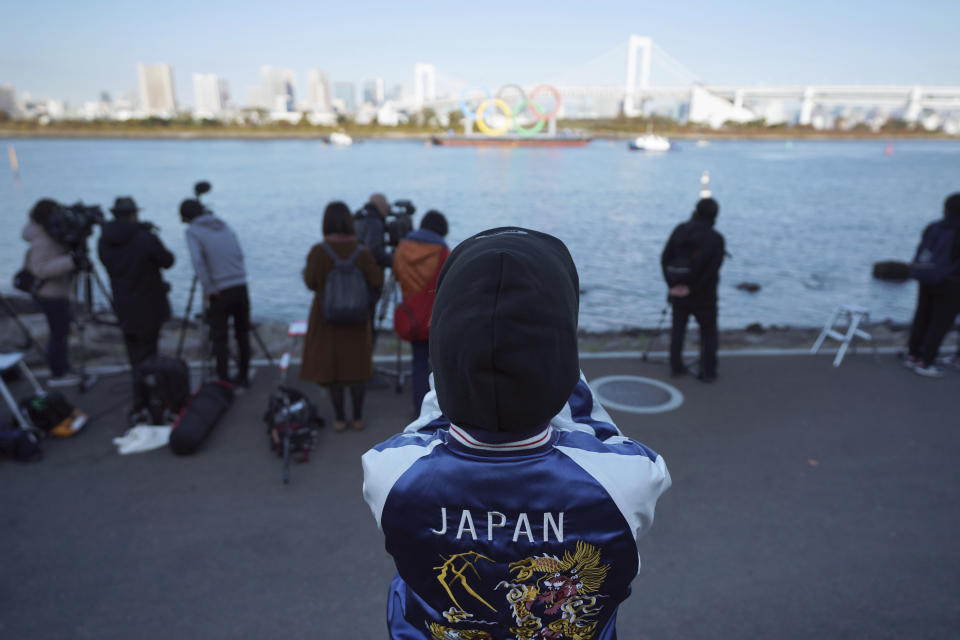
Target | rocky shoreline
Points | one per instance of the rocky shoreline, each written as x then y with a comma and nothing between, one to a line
103,344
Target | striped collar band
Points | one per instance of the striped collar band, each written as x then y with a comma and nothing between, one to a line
537,440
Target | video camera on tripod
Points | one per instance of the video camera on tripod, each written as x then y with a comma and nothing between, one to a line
399,221
72,225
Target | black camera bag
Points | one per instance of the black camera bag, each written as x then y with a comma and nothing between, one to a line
25,281
46,410
210,401
167,381
19,444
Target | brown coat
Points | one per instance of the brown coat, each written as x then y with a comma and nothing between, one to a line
337,353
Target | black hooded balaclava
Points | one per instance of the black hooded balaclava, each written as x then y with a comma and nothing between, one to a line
503,334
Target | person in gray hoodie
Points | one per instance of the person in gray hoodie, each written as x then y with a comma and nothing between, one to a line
218,263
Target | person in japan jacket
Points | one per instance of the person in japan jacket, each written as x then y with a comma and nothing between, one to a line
513,505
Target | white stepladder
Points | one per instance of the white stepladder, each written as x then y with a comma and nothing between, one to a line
9,361
854,315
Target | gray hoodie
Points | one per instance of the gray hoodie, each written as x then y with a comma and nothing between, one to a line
216,254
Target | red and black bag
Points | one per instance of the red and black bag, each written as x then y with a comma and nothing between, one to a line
411,318
210,401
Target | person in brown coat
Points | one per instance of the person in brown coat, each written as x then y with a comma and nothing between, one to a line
338,356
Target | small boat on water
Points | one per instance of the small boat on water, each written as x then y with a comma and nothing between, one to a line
650,142
340,139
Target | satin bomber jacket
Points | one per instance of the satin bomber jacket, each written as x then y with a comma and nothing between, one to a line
498,539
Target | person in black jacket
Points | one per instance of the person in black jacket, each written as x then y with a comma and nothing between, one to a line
938,303
691,266
134,257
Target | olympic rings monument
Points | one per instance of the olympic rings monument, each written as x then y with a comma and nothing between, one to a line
493,122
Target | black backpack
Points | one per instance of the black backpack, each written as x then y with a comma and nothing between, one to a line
18,443
289,412
345,293
53,414
932,263
684,263
167,381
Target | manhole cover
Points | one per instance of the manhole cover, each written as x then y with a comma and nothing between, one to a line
636,394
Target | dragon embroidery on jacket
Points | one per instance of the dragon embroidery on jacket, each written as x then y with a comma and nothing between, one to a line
563,591
549,598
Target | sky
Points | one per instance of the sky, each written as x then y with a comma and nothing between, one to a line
73,50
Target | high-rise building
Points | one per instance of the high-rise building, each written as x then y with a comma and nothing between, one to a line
373,92
156,90
318,91
8,99
224,88
207,102
347,94
278,89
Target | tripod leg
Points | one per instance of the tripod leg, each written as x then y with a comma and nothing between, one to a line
186,318
31,341
263,347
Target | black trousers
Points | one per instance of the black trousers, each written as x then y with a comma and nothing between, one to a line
140,346
937,306
231,303
57,311
705,313
356,396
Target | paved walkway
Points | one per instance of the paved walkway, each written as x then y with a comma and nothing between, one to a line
808,502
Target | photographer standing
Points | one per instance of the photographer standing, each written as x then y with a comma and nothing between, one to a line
372,219
371,226
133,257
218,263
416,263
52,267
691,267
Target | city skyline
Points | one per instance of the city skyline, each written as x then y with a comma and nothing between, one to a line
95,48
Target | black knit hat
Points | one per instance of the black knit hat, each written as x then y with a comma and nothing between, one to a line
707,209
951,206
191,208
503,334
434,221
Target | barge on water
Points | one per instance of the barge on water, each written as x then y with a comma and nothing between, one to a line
510,141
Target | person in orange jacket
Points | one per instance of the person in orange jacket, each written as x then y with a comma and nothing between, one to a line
417,260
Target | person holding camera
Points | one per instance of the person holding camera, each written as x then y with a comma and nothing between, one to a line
338,352
134,257
52,267
513,504
218,263
416,263
691,263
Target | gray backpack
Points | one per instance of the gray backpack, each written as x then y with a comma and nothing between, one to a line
345,292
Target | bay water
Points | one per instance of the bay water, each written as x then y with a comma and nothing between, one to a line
805,220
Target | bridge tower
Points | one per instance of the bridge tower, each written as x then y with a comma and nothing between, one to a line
914,107
424,83
638,44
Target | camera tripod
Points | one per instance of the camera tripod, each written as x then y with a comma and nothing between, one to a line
388,300
207,348
83,301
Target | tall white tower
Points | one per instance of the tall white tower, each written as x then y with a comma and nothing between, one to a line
638,45
424,83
